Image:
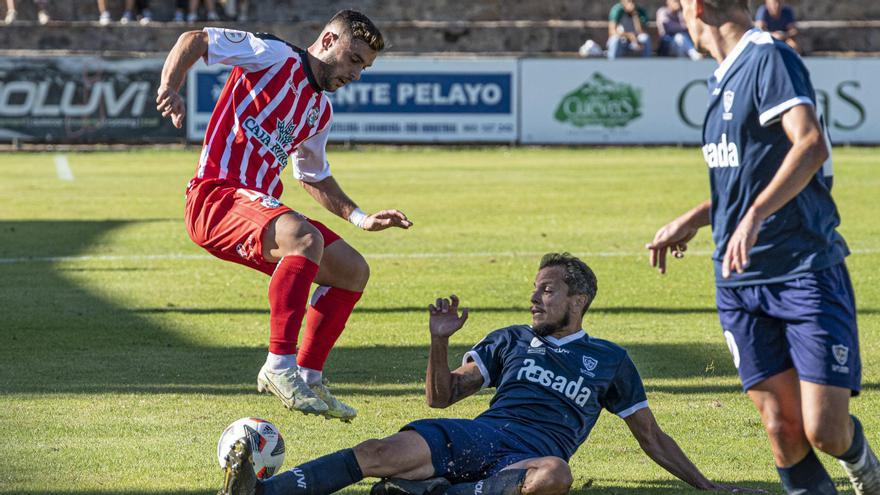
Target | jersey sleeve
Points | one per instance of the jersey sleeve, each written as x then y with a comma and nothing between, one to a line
310,158
783,83
626,394
243,49
488,354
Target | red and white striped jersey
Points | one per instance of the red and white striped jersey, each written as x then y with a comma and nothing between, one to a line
271,107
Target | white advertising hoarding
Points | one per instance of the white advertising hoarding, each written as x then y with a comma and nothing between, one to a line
657,101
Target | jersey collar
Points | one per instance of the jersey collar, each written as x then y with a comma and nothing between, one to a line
567,339
751,36
307,67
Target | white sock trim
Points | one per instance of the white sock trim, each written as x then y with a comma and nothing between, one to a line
310,376
280,362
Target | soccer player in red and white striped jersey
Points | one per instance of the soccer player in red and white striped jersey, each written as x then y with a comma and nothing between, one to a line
273,109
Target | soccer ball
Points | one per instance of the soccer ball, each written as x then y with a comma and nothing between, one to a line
265,441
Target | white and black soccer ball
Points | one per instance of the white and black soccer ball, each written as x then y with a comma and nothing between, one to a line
265,441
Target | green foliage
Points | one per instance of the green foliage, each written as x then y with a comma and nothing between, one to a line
126,349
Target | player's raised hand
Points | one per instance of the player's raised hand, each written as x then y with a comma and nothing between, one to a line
741,242
384,219
444,319
170,103
672,237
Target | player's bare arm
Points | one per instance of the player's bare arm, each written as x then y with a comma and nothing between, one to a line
675,235
663,450
806,156
191,46
442,386
331,196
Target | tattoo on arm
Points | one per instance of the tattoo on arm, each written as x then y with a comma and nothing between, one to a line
466,381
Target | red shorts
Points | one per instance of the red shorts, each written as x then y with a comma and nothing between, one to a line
229,222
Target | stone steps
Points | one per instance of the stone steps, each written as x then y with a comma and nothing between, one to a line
478,37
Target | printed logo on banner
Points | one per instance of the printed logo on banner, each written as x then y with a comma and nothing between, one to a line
600,102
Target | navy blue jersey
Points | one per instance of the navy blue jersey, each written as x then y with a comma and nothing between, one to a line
550,391
744,145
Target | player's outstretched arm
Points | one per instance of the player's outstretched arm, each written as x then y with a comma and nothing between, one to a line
442,386
675,235
189,48
663,450
330,195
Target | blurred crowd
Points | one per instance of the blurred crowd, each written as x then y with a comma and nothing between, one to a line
138,11
628,35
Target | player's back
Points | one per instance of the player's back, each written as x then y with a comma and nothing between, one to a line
270,106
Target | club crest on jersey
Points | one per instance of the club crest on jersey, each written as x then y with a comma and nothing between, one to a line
234,36
841,355
270,202
590,364
313,116
728,104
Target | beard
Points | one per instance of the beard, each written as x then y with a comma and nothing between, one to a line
549,328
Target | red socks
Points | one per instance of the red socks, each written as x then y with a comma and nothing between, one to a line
327,315
288,293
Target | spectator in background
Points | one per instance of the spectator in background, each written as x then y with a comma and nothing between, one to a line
104,16
779,20
235,9
12,15
144,8
674,38
626,31
193,14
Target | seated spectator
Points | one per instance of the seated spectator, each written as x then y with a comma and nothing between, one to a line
674,38
193,14
144,8
779,20
626,31
12,15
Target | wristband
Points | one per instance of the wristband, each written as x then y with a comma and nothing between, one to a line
357,217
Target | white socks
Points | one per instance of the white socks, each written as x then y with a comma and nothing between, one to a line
310,376
281,362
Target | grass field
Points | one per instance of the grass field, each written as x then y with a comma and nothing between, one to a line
125,350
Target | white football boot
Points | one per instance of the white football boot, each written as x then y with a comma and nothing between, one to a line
336,408
291,389
864,474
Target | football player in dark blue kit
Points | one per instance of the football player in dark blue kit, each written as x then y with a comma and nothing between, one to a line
784,296
552,380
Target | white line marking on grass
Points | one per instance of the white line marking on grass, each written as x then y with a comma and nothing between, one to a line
62,168
501,254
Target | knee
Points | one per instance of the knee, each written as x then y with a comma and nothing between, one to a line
360,272
785,430
373,455
553,477
301,238
831,437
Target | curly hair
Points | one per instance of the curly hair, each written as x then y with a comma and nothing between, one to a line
359,27
578,276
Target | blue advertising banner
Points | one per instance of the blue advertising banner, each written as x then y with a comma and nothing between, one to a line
401,100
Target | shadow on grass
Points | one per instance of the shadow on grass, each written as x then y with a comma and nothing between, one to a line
661,487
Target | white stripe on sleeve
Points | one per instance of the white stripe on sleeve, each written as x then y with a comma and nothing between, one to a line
483,371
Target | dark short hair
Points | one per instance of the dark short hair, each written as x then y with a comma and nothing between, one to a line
578,276
359,27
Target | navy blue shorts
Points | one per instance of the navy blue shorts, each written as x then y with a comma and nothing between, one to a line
468,450
808,323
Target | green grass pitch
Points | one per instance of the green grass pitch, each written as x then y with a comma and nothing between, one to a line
125,350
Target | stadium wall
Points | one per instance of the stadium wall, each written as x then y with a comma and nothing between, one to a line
85,99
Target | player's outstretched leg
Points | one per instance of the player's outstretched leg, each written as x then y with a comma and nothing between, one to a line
297,247
861,464
343,275
398,486
239,477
